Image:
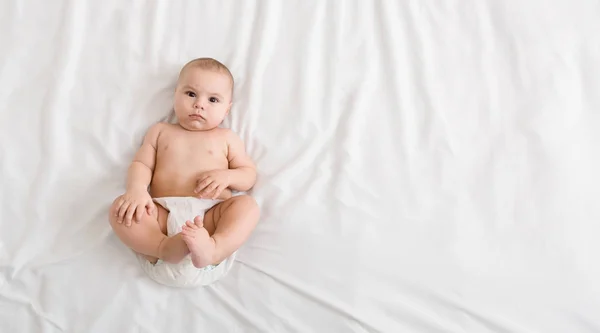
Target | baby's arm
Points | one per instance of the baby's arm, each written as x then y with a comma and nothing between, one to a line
139,175
140,171
242,174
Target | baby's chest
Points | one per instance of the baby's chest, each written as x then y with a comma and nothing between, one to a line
177,149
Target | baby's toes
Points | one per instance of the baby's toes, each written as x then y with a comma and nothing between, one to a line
193,226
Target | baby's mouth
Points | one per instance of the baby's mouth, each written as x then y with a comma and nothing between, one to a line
196,116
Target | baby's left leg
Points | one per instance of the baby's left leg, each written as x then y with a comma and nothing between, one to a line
223,230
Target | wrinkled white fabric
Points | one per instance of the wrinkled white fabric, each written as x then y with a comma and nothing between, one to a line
423,166
184,274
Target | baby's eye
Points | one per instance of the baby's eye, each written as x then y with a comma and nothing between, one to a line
190,93
213,100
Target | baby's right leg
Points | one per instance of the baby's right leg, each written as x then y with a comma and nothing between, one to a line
147,238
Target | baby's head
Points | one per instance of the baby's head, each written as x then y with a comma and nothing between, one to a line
203,95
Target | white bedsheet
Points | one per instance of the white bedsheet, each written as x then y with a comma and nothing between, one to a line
424,166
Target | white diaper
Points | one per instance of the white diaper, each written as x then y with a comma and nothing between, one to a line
184,274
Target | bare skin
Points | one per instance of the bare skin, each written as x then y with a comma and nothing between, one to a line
193,158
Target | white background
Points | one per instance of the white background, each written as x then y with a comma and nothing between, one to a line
424,166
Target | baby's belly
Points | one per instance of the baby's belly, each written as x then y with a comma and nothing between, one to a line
172,184
176,174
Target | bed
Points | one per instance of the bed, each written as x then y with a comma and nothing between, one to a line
424,166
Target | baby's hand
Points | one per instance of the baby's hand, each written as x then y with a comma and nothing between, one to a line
210,184
134,202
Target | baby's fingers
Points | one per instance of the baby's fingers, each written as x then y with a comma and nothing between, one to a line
203,184
150,207
117,209
218,191
129,215
123,210
209,189
138,213
118,203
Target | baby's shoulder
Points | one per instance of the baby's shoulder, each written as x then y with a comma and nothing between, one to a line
232,139
159,131
163,127
228,134
223,132
157,128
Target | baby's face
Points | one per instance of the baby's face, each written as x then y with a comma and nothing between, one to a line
202,99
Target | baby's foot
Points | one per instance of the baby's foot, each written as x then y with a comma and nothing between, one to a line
200,244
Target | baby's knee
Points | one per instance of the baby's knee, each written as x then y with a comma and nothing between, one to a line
248,202
242,199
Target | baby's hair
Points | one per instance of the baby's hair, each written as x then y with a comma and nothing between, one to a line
209,64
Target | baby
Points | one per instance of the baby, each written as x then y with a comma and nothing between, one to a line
189,169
